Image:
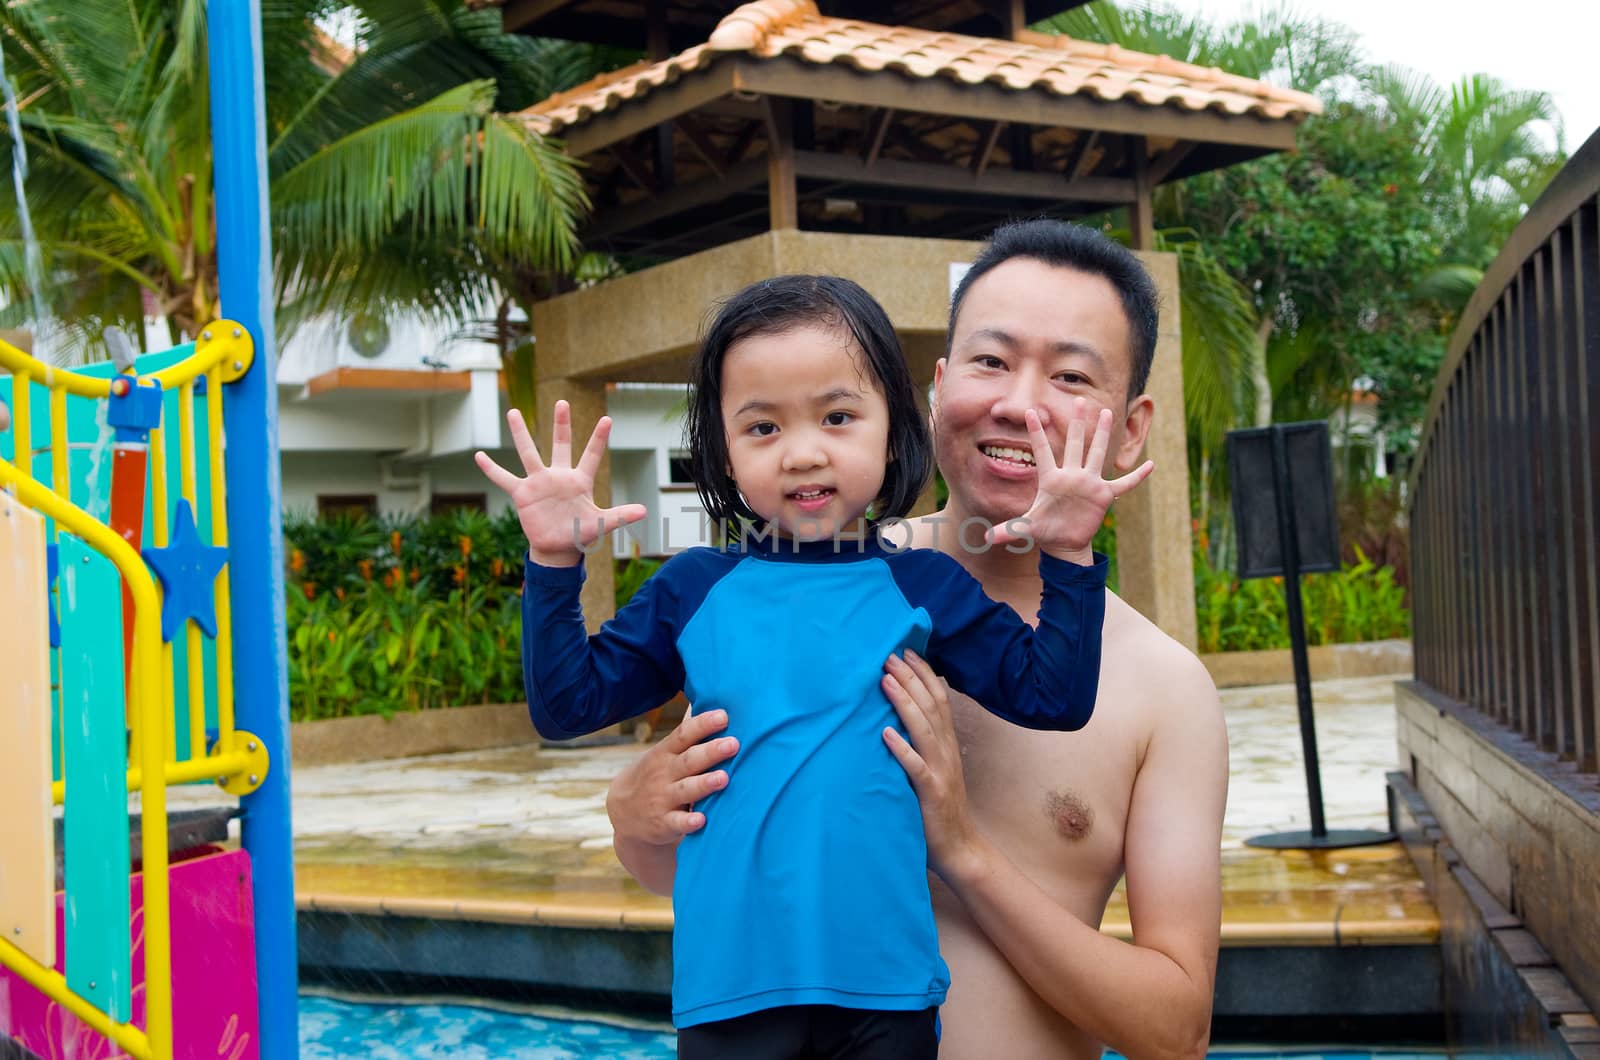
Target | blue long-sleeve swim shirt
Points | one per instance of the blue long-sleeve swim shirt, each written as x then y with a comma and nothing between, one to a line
808,884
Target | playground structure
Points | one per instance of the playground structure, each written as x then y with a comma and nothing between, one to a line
142,646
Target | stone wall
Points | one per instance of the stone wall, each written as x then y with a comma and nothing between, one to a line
1504,997
1375,658
1525,825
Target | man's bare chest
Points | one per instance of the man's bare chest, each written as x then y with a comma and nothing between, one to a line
1055,802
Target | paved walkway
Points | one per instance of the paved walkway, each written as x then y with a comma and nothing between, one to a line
521,833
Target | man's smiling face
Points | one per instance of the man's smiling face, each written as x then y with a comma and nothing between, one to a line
1029,335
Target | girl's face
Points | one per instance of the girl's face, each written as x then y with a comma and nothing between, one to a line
808,429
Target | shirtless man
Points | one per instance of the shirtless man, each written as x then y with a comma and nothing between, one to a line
1029,832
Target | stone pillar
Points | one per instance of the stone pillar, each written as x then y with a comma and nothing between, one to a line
1155,556
922,350
588,401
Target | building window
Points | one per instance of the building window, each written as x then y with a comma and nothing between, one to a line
679,471
450,503
354,505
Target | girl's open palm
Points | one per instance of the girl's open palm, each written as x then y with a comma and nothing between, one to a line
1073,497
555,502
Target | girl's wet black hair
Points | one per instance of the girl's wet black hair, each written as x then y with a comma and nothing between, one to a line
781,304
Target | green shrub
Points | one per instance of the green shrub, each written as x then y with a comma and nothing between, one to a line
1358,603
383,649
409,614
412,614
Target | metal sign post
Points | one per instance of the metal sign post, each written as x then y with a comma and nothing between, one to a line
1296,532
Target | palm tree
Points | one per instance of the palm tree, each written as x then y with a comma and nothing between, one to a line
1490,150
1279,45
397,169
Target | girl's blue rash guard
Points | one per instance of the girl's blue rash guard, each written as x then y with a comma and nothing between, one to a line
810,885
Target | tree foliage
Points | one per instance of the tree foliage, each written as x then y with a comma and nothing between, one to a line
398,172
1355,251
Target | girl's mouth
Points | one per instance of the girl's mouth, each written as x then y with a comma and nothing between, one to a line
812,499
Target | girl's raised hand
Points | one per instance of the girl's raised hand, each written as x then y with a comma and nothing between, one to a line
555,503
1072,498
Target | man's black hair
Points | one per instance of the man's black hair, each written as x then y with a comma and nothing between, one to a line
781,304
1073,246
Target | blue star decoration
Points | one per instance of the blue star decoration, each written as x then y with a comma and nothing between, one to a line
188,570
52,571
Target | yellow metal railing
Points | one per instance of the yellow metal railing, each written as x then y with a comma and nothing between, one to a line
237,760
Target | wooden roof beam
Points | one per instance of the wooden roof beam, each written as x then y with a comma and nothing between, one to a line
985,150
1141,211
1161,168
701,142
634,167
684,96
987,102
875,135
518,13
947,178
736,153
782,190
1077,163
681,199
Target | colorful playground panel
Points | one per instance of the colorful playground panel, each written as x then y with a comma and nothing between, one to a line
89,471
213,971
27,872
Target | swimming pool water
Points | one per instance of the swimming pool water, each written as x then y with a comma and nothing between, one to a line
400,1028
404,1028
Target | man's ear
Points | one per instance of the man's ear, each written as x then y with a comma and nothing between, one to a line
1135,430
938,382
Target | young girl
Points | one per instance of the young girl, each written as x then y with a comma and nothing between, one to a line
803,922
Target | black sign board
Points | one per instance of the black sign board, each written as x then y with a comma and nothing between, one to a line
1310,488
1283,508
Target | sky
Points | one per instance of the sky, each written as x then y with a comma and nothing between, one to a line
1531,44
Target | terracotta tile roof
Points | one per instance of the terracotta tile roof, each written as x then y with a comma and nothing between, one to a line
1062,66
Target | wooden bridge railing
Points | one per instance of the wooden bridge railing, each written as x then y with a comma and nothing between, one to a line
1505,504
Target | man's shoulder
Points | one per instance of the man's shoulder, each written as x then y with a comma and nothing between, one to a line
1165,678
1133,638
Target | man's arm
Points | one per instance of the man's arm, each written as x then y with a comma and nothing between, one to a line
1148,999
649,802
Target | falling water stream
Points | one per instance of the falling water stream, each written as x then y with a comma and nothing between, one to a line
32,258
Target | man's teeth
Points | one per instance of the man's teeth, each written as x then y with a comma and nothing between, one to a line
1023,456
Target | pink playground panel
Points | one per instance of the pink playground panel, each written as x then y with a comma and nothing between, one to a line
213,972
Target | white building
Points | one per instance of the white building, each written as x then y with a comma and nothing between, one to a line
385,420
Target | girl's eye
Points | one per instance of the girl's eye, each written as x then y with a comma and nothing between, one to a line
837,419
763,429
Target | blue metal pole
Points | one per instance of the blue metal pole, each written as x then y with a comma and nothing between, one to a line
255,568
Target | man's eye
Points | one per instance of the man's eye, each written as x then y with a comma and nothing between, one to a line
837,419
991,362
1071,378
763,429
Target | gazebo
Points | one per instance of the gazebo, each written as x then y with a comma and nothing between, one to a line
792,136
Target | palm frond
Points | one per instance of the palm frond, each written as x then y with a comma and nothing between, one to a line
352,193
1218,329
529,195
1449,285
